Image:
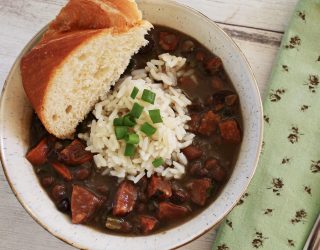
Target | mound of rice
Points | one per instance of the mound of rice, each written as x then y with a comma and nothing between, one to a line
159,76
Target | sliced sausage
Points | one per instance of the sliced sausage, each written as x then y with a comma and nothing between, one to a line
84,204
148,223
230,132
125,198
62,170
168,41
209,123
187,46
75,153
159,187
198,190
168,211
38,155
192,152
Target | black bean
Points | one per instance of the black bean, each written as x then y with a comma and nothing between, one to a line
59,192
82,173
187,46
64,206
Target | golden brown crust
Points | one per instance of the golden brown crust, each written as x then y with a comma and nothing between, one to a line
78,21
94,14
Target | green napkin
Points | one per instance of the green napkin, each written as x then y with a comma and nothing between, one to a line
283,200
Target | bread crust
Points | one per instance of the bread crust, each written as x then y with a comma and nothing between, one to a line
94,14
39,65
78,22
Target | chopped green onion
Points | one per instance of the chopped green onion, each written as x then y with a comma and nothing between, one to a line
158,162
148,129
136,110
129,121
132,139
118,121
121,132
148,96
130,150
155,116
134,93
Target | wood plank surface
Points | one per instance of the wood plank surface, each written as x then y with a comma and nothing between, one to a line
255,25
270,15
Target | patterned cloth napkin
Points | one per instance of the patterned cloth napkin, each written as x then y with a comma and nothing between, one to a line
283,200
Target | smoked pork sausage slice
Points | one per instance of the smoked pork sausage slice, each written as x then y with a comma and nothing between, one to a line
62,170
209,123
75,153
84,204
125,198
192,152
38,155
159,187
230,132
168,211
198,190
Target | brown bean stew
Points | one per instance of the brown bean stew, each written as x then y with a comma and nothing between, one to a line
77,187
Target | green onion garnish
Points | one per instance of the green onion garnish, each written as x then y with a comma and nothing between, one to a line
118,121
130,150
158,162
134,92
136,110
129,121
148,96
148,129
132,139
121,132
155,116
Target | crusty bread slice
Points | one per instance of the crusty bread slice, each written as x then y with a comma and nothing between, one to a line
67,72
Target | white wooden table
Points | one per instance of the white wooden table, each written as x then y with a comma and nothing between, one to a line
255,25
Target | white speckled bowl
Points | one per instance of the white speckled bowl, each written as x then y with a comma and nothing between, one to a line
14,132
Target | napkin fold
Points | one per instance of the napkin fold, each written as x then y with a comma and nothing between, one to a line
283,200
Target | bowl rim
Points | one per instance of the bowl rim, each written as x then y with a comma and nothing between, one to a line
258,150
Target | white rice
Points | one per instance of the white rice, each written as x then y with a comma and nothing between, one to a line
170,137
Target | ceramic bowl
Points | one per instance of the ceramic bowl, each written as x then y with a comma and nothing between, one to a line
14,132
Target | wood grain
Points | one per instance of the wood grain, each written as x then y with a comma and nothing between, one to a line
270,15
255,25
